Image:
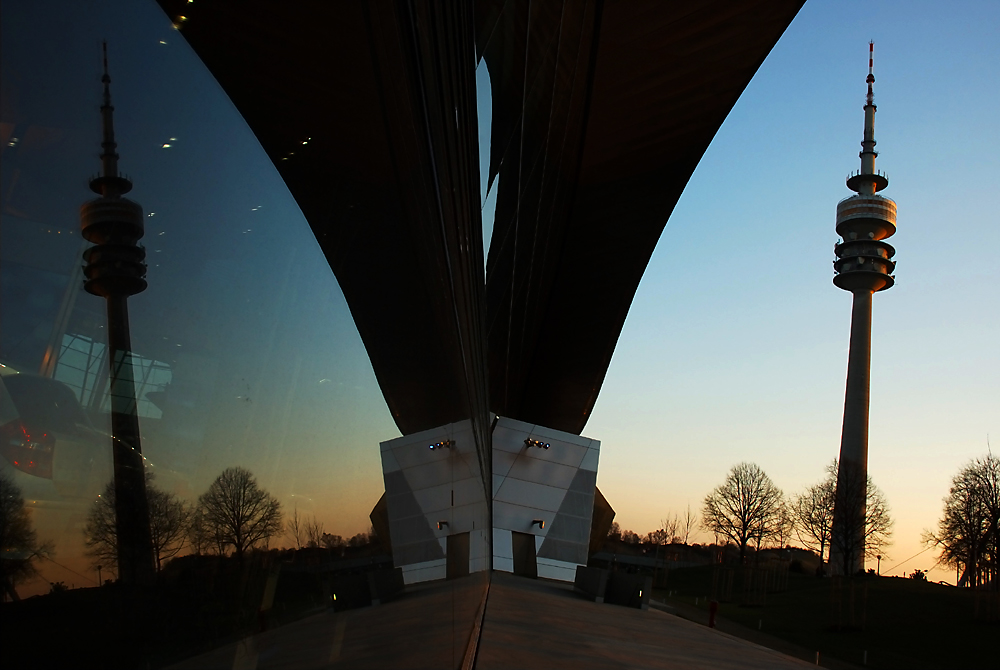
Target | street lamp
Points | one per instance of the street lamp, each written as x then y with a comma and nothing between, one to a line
878,565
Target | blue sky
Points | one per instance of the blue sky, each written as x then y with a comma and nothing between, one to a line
735,347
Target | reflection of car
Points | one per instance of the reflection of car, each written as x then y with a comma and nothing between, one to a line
48,442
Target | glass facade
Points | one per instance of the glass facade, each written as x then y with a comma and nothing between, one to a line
332,397
246,360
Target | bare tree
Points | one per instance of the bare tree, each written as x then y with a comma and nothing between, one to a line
19,548
867,529
745,508
784,524
169,520
296,529
313,532
198,533
666,533
688,523
812,511
969,531
238,512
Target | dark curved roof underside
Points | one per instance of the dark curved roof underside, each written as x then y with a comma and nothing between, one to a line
601,111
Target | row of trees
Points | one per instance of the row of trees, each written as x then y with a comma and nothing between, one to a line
234,514
308,533
675,529
747,509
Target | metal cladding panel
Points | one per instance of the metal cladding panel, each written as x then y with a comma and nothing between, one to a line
502,544
389,462
460,493
559,570
530,495
508,516
564,448
503,461
568,538
540,469
590,460
532,483
427,486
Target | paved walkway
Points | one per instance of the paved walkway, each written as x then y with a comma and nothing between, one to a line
538,624
528,624
429,627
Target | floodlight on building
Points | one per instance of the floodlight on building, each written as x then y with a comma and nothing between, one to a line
528,442
447,444
442,525
539,522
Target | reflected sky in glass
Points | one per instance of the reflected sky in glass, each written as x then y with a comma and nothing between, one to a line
266,368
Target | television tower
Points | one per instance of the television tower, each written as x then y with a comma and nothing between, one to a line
864,265
115,269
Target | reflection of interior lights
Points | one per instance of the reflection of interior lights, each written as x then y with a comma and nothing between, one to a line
442,445
536,443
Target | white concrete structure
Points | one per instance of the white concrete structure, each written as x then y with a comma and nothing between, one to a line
433,495
553,484
543,501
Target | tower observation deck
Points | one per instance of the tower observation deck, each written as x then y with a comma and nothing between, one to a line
863,266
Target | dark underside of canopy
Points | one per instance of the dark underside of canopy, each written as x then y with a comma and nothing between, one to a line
601,111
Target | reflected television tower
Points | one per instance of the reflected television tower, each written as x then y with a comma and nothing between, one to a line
114,270
863,266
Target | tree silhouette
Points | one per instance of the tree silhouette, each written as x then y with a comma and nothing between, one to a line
744,508
867,528
19,548
812,511
169,521
238,513
296,529
969,531
688,524
314,532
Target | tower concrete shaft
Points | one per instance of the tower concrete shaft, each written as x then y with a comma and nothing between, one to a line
115,269
863,266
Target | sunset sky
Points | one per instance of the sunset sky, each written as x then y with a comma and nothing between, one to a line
735,348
